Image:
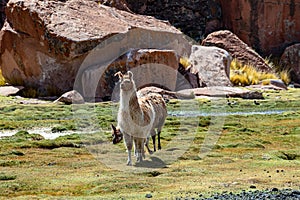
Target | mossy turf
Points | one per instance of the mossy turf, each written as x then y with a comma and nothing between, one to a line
232,152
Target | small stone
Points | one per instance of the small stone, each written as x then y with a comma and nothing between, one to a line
71,97
275,189
252,186
148,196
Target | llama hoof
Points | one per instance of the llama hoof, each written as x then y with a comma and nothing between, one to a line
129,163
139,159
151,152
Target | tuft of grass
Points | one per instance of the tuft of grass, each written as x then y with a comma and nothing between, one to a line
2,79
243,75
6,177
185,62
29,93
285,76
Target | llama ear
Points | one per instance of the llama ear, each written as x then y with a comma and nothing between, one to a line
119,74
113,128
130,74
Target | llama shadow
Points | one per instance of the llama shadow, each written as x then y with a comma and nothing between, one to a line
154,163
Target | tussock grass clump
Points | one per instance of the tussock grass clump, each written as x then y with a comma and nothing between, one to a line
29,93
285,76
243,75
185,62
7,177
2,80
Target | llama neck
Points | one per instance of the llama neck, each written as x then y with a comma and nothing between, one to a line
134,105
129,101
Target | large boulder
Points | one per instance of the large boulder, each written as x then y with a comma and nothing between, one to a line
211,64
290,60
267,26
237,48
48,45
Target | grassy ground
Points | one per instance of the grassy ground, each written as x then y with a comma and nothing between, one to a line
201,154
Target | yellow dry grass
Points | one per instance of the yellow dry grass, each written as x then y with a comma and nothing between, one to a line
2,80
185,62
285,76
243,75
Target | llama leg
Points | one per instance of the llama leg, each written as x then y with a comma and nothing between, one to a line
153,140
147,146
140,149
158,136
143,149
128,142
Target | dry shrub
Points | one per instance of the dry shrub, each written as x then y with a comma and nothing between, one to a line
243,74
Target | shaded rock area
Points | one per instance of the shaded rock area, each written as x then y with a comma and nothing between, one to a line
267,26
10,90
195,18
237,48
149,67
290,61
2,12
44,44
211,64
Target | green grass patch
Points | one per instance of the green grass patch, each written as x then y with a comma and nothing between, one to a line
7,177
242,150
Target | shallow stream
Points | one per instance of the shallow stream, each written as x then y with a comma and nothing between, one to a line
48,134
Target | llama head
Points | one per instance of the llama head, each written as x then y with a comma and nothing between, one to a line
117,135
126,80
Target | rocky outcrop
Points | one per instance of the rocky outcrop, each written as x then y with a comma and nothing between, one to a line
48,45
195,18
211,64
237,48
267,26
290,61
223,91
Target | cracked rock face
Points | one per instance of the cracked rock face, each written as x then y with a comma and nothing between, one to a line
44,44
267,26
195,18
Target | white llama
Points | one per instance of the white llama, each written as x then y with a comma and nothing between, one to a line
137,116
